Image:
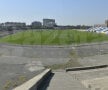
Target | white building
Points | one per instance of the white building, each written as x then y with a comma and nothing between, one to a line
49,22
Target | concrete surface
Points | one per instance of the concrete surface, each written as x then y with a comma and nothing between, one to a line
63,81
39,51
28,61
94,60
100,83
74,80
34,83
12,69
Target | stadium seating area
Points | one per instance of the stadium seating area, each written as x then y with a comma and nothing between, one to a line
103,30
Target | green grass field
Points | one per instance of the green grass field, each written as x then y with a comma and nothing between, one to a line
53,37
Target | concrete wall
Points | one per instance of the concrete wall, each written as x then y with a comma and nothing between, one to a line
34,52
53,51
86,68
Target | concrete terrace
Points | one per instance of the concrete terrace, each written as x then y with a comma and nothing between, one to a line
63,81
16,61
74,80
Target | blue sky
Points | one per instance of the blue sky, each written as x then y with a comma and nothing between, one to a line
66,12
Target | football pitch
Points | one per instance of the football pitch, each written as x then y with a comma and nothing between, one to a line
53,37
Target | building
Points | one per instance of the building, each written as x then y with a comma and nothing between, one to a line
15,25
106,22
102,25
36,25
49,23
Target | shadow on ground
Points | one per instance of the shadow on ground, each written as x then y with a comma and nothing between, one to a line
46,83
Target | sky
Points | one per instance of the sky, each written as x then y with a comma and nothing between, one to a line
65,12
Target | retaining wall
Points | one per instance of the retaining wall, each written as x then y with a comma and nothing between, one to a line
47,51
86,68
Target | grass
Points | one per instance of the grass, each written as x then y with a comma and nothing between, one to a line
10,84
73,62
69,64
53,37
